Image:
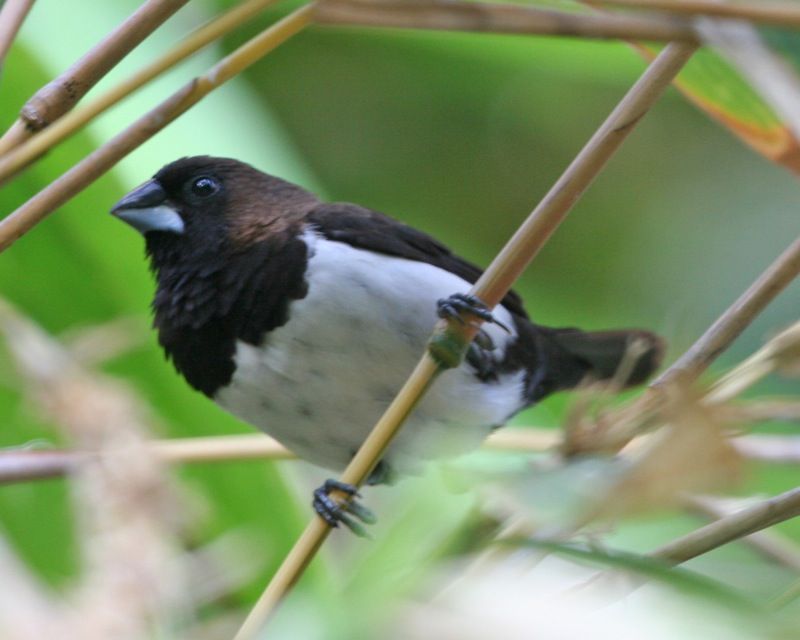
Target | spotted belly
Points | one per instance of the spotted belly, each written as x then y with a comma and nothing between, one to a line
320,382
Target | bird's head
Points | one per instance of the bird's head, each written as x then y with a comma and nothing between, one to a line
200,206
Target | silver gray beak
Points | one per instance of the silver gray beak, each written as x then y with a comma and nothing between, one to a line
146,209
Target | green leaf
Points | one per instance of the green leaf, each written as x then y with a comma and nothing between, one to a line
717,88
682,580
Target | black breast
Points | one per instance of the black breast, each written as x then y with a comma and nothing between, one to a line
203,306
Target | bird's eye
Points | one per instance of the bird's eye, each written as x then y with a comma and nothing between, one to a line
204,187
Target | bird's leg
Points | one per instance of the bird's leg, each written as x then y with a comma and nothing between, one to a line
334,512
481,359
461,302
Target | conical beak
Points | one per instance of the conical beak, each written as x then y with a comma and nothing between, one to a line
146,209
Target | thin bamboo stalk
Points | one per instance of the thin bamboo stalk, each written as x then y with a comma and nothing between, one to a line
736,318
746,525
767,409
12,15
491,288
80,176
60,94
769,448
458,15
14,136
106,156
22,465
356,473
639,415
732,527
782,14
544,220
770,544
782,351
44,140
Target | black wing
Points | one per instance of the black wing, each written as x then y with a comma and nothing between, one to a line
366,229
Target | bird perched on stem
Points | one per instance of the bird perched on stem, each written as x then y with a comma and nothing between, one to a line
304,318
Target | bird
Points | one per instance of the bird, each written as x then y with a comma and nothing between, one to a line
303,318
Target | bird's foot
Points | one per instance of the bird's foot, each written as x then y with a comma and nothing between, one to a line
482,360
334,512
453,306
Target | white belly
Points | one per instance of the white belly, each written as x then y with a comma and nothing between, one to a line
319,383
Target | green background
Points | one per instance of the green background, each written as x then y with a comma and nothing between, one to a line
457,134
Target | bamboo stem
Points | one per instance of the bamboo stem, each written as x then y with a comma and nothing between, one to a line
42,141
80,176
745,524
492,287
736,318
769,448
634,418
781,352
768,543
544,220
782,14
732,527
106,156
12,15
356,473
764,410
458,15
14,136
59,95
22,465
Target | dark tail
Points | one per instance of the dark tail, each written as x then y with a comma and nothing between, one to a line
571,356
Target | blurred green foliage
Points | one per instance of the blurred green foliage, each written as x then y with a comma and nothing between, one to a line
457,134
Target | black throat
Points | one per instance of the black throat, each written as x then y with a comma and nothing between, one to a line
206,301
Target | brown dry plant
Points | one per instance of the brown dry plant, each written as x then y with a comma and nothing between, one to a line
127,509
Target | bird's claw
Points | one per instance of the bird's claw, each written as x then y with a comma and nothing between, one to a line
334,512
461,302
